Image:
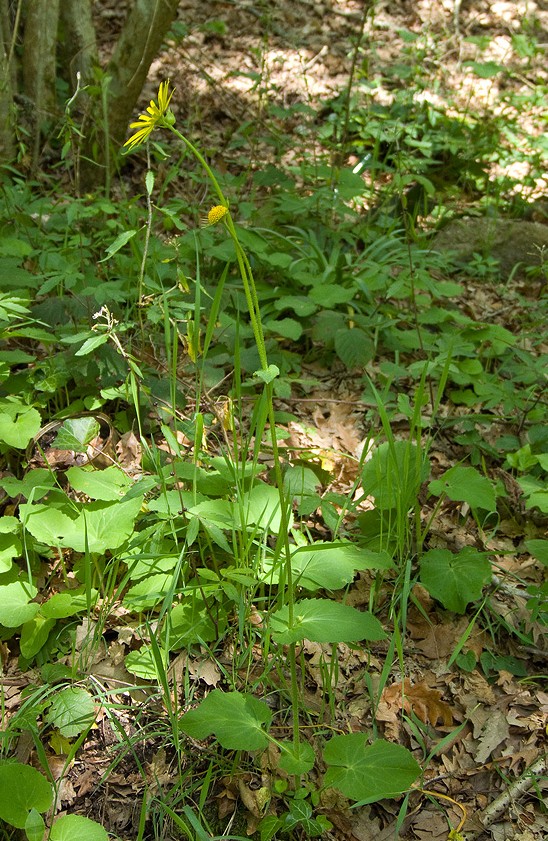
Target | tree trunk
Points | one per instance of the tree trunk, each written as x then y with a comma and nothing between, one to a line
80,42
39,65
107,105
126,72
80,60
138,45
7,144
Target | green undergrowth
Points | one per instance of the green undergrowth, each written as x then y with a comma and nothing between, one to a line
125,324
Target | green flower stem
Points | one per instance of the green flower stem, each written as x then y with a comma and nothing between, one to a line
243,263
252,299
201,160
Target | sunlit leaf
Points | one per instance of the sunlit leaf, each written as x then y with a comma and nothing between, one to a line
72,827
22,788
237,721
368,772
72,711
322,620
455,579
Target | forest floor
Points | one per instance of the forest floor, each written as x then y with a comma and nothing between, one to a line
236,66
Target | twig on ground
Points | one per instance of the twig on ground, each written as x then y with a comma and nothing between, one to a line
514,791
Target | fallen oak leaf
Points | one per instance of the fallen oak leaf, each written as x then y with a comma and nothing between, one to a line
426,703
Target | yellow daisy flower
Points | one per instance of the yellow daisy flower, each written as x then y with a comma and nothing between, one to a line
215,214
157,115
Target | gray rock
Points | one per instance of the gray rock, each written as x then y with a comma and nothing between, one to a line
510,241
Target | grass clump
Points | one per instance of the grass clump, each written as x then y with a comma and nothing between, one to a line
175,563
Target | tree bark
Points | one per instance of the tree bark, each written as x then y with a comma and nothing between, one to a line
80,41
39,64
108,104
7,144
138,45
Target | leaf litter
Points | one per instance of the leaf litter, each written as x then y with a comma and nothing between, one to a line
504,715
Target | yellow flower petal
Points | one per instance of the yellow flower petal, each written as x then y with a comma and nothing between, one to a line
216,214
155,115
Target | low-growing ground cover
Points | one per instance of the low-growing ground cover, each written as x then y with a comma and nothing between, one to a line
274,470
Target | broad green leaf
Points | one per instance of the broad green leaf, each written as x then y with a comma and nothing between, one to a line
329,566
76,433
10,548
237,721
14,247
61,605
172,503
189,622
148,592
269,826
288,328
299,764
539,550
300,814
455,580
465,484
368,772
542,459
35,631
394,474
260,507
34,826
349,184
301,481
536,492
16,605
328,295
485,69
300,304
250,240
72,711
9,524
142,663
35,483
50,524
18,423
333,565
141,565
34,635
77,828
267,374
107,485
322,620
354,347
106,525
55,673
219,512
22,788
118,243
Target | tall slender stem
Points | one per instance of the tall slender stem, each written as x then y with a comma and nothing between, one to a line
252,300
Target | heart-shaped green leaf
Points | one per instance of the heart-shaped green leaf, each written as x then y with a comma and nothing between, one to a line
72,711
76,433
455,580
322,620
72,827
237,721
368,772
465,484
16,606
22,788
